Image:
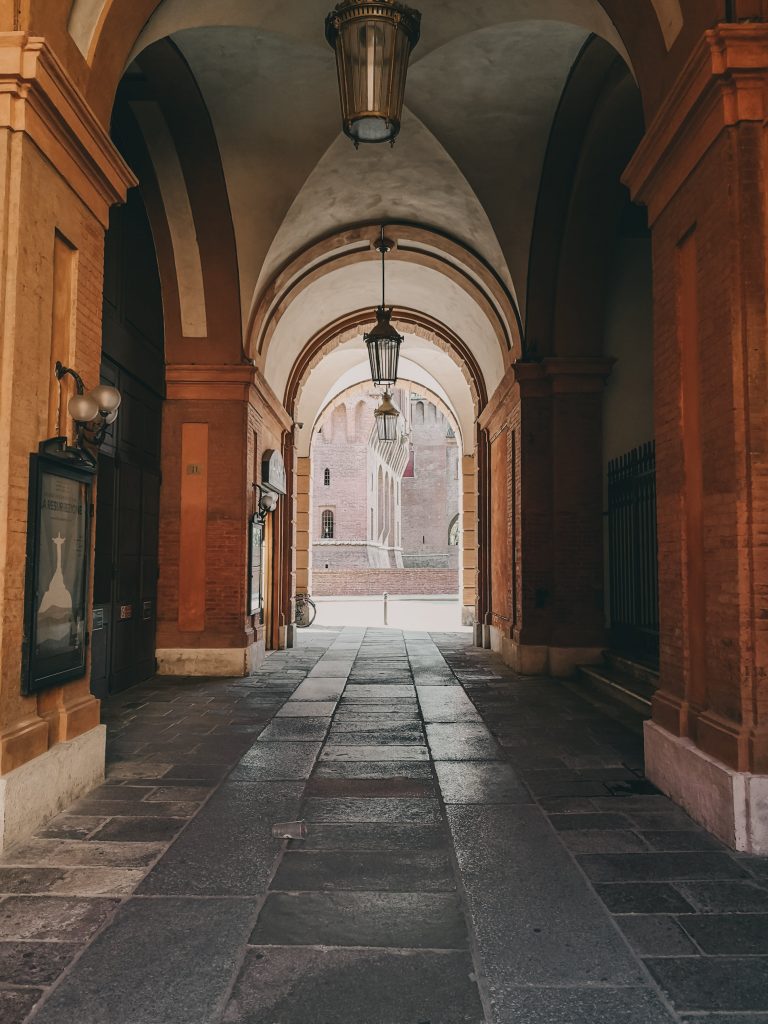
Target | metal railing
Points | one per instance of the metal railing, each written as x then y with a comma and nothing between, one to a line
633,554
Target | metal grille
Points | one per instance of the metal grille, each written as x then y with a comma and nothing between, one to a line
633,554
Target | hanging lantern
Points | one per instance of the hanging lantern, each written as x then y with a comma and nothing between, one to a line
373,43
387,415
383,341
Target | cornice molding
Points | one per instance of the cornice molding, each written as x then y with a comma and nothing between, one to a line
724,83
40,100
205,382
553,376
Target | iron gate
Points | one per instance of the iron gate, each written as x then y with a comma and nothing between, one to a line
633,554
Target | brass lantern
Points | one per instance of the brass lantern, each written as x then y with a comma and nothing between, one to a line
373,43
387,415
383,341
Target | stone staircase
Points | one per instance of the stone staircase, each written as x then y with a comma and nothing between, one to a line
619,681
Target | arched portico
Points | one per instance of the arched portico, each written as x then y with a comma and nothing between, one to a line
507,268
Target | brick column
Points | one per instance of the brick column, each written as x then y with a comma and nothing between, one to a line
545,425
469,561
217,423
303,550
701,170
61,174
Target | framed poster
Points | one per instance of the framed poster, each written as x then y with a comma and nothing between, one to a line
255,600
58,572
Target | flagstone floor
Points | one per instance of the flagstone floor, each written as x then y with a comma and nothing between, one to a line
480,848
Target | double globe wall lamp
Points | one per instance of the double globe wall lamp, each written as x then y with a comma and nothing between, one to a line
373,44
266,504
92,412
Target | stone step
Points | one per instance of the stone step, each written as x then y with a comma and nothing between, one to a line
620,681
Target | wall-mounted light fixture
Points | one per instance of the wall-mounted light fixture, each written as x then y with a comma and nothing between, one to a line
266,504
373,43
92,412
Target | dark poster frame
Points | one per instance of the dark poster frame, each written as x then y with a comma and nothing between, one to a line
255,562
52,476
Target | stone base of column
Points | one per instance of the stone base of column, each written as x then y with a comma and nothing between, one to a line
216,662
542,659
40,789
732,805
468,615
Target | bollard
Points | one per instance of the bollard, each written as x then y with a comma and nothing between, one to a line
386,597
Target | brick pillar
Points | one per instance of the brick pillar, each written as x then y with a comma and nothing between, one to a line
303,548
217,423
701,170
469,561
60,175
545,425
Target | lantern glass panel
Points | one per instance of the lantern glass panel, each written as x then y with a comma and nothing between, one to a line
386,426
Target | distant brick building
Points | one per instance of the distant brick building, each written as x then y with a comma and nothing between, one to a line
381,506
356,487
431,485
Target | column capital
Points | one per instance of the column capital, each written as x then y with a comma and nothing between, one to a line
724,83
563,374
215,382
40,100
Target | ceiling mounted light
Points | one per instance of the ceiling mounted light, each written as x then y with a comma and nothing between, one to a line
373,43
387,415
383,341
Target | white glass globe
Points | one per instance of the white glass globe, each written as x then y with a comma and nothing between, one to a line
107,398
83,408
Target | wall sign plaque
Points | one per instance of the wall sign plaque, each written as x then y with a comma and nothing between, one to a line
57,576
273,476
255,600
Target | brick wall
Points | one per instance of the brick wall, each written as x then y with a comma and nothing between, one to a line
371,582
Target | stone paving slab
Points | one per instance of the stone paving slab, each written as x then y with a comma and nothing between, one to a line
301,729
14,1006
299,985
277,762
582,1006
372,770
160,960
373,836
228,850
713,983
391,810
34,963
364,871
520,881
380,752
398,920
308,709
480,783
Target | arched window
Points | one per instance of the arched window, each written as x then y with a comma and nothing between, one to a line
453,533
327,478
327,533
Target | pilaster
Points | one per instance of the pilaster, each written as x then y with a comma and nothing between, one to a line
59,174
701,170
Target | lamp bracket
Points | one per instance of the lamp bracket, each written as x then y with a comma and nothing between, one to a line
384,245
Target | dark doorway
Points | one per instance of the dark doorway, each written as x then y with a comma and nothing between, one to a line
128,496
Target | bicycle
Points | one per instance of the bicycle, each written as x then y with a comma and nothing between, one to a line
306,610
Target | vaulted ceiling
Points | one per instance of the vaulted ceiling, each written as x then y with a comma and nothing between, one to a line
484,86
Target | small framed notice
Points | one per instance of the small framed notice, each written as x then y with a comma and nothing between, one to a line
57,574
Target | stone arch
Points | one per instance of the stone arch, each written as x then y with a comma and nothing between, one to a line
416,245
